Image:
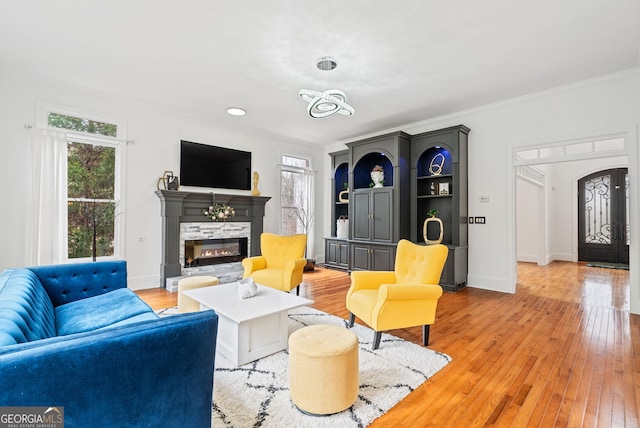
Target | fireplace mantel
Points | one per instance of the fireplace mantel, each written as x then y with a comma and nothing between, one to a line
186,207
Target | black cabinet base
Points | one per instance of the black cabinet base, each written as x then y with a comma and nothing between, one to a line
453,288
454,274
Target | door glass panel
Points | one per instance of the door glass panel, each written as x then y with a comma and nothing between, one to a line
597,207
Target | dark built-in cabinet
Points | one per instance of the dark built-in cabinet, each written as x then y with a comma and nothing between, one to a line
336,252
440,183
376,213
421,173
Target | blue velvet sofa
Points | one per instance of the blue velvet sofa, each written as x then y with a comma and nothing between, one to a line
75,337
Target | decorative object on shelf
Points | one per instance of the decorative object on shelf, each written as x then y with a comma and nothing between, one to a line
443,189
219,212
432,189
247,288
377,175
344,195
329,102
255,191
437,164
431,217
168,181
342,227
173,183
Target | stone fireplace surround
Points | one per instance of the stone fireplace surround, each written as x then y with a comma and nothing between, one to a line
182,219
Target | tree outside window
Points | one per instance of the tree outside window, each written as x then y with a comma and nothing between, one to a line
91,203
295,198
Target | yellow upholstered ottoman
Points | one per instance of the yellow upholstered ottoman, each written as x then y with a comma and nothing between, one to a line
323,369
187,304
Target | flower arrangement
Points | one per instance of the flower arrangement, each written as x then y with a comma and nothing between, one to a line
219,212
432,213
377,168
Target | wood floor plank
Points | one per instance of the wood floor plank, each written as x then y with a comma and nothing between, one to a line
562,351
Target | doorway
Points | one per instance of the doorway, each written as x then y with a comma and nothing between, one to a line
603,217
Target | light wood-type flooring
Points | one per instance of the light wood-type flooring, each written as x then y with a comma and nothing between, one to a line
562,351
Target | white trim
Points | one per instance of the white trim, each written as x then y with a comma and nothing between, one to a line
630,135
634,223
309,173
119,143
562,142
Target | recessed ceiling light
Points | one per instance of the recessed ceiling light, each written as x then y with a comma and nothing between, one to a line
236,111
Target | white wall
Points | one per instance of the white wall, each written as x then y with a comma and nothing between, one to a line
579,110
156,134
530,232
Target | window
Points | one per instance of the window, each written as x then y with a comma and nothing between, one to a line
296,182
91,203
93,210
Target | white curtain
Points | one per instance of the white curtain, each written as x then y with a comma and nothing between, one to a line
48,237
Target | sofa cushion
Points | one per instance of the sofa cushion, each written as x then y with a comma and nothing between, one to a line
102,311
26,312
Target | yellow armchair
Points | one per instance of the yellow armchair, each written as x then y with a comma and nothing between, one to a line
281,264
405,297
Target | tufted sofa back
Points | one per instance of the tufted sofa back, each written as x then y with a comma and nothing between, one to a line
70,282
26,311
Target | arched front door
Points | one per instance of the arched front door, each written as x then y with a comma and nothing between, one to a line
603,217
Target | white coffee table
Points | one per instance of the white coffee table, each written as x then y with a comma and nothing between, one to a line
251,328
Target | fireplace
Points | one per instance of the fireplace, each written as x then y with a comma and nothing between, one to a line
182,220
205,252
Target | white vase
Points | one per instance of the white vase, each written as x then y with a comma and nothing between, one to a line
377,177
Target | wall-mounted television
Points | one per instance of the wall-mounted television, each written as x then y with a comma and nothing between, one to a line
203,165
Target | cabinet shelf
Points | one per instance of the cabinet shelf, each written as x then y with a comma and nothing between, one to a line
434,196
434,177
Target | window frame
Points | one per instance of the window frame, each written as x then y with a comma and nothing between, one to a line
306,172
118,143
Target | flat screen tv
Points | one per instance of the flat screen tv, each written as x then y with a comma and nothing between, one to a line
210,166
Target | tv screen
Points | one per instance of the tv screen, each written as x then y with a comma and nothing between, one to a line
210,166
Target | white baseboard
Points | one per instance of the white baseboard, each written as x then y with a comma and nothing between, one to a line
143,282
527,258
489,283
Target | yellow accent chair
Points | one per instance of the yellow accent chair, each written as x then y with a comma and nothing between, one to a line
405,297
281,264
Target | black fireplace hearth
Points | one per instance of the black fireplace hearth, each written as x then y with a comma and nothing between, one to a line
205,252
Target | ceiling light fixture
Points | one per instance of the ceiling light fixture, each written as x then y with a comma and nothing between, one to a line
329,102
236,111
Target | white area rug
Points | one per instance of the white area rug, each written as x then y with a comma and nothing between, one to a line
257,394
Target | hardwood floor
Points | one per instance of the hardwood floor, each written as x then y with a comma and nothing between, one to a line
562,351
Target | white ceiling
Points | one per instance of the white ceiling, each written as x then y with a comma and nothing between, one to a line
399,61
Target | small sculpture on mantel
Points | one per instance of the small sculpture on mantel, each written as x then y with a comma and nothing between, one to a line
255,191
